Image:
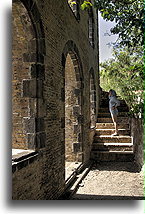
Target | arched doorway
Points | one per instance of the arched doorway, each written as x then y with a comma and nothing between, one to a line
73,109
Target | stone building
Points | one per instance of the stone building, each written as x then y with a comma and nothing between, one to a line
55,94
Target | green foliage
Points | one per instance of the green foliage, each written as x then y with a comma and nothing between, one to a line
124,73
129,18
86,5
71,2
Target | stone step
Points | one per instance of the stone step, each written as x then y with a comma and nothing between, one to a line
106,101
111,126
113,147
109,120
103,100
105,105
112,139
108,114
112,156
111,131
120,109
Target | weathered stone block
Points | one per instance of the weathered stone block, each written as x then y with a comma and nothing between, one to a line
33,111
39,88
40,58
29,57
77,91
76,111
40,71
29,125
40,140
80,119
39,124
41,107
31,44
76,129
29,88
37,71
33,70
76,147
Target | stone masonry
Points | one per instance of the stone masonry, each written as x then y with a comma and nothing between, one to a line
55,93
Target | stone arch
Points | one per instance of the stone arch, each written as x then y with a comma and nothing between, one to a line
92,99
91,26
73,87
28,75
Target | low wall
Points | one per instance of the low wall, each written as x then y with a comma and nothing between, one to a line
137,133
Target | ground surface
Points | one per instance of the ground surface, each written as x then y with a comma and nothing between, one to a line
70,167
111,181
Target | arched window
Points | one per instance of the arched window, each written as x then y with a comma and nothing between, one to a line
91,27
74,5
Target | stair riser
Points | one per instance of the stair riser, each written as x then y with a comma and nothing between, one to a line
106,105
103,101
120,109
120,148
112,140
109,120
111,126
110,132
112,157
108,115
111,148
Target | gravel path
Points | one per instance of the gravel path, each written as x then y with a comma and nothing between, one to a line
111,181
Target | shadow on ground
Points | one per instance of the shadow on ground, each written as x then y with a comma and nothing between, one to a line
105,197
117,166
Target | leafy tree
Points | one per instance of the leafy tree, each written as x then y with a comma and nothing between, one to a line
86,5
124,73
128,16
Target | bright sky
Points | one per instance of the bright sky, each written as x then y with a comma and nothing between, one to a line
105,50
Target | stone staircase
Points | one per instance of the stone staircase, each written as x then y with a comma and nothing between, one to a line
112,148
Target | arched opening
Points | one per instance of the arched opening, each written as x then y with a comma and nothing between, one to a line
23,47
91,27
73,114
28,49
92,100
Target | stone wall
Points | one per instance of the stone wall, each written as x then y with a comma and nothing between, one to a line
46,32
137,132
32,180
22,37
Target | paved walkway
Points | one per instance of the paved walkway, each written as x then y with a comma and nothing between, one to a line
111,181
